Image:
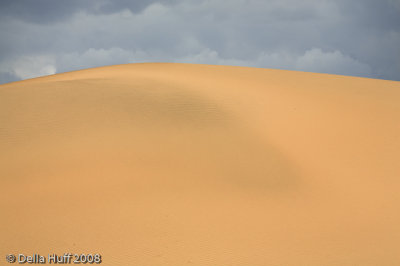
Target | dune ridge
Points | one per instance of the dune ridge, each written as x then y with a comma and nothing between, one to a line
182,164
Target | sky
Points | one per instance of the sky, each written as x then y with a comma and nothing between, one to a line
355,38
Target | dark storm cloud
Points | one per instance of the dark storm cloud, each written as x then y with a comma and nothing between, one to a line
359,37
44,11
41,11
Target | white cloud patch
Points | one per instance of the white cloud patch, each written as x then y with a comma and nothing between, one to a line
207,56
26,67
98,57
315,60
312,60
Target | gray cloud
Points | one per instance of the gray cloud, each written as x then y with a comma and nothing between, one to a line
45,11
359,38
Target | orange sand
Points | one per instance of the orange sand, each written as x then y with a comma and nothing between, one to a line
179,164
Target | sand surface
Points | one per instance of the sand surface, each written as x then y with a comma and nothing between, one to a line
179,164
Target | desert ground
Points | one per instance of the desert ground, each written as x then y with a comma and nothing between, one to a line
179,164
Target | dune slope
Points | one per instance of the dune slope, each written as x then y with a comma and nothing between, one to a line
179,164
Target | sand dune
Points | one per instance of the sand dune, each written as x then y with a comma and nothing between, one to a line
179,164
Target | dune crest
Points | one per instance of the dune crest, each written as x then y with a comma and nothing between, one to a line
181,164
